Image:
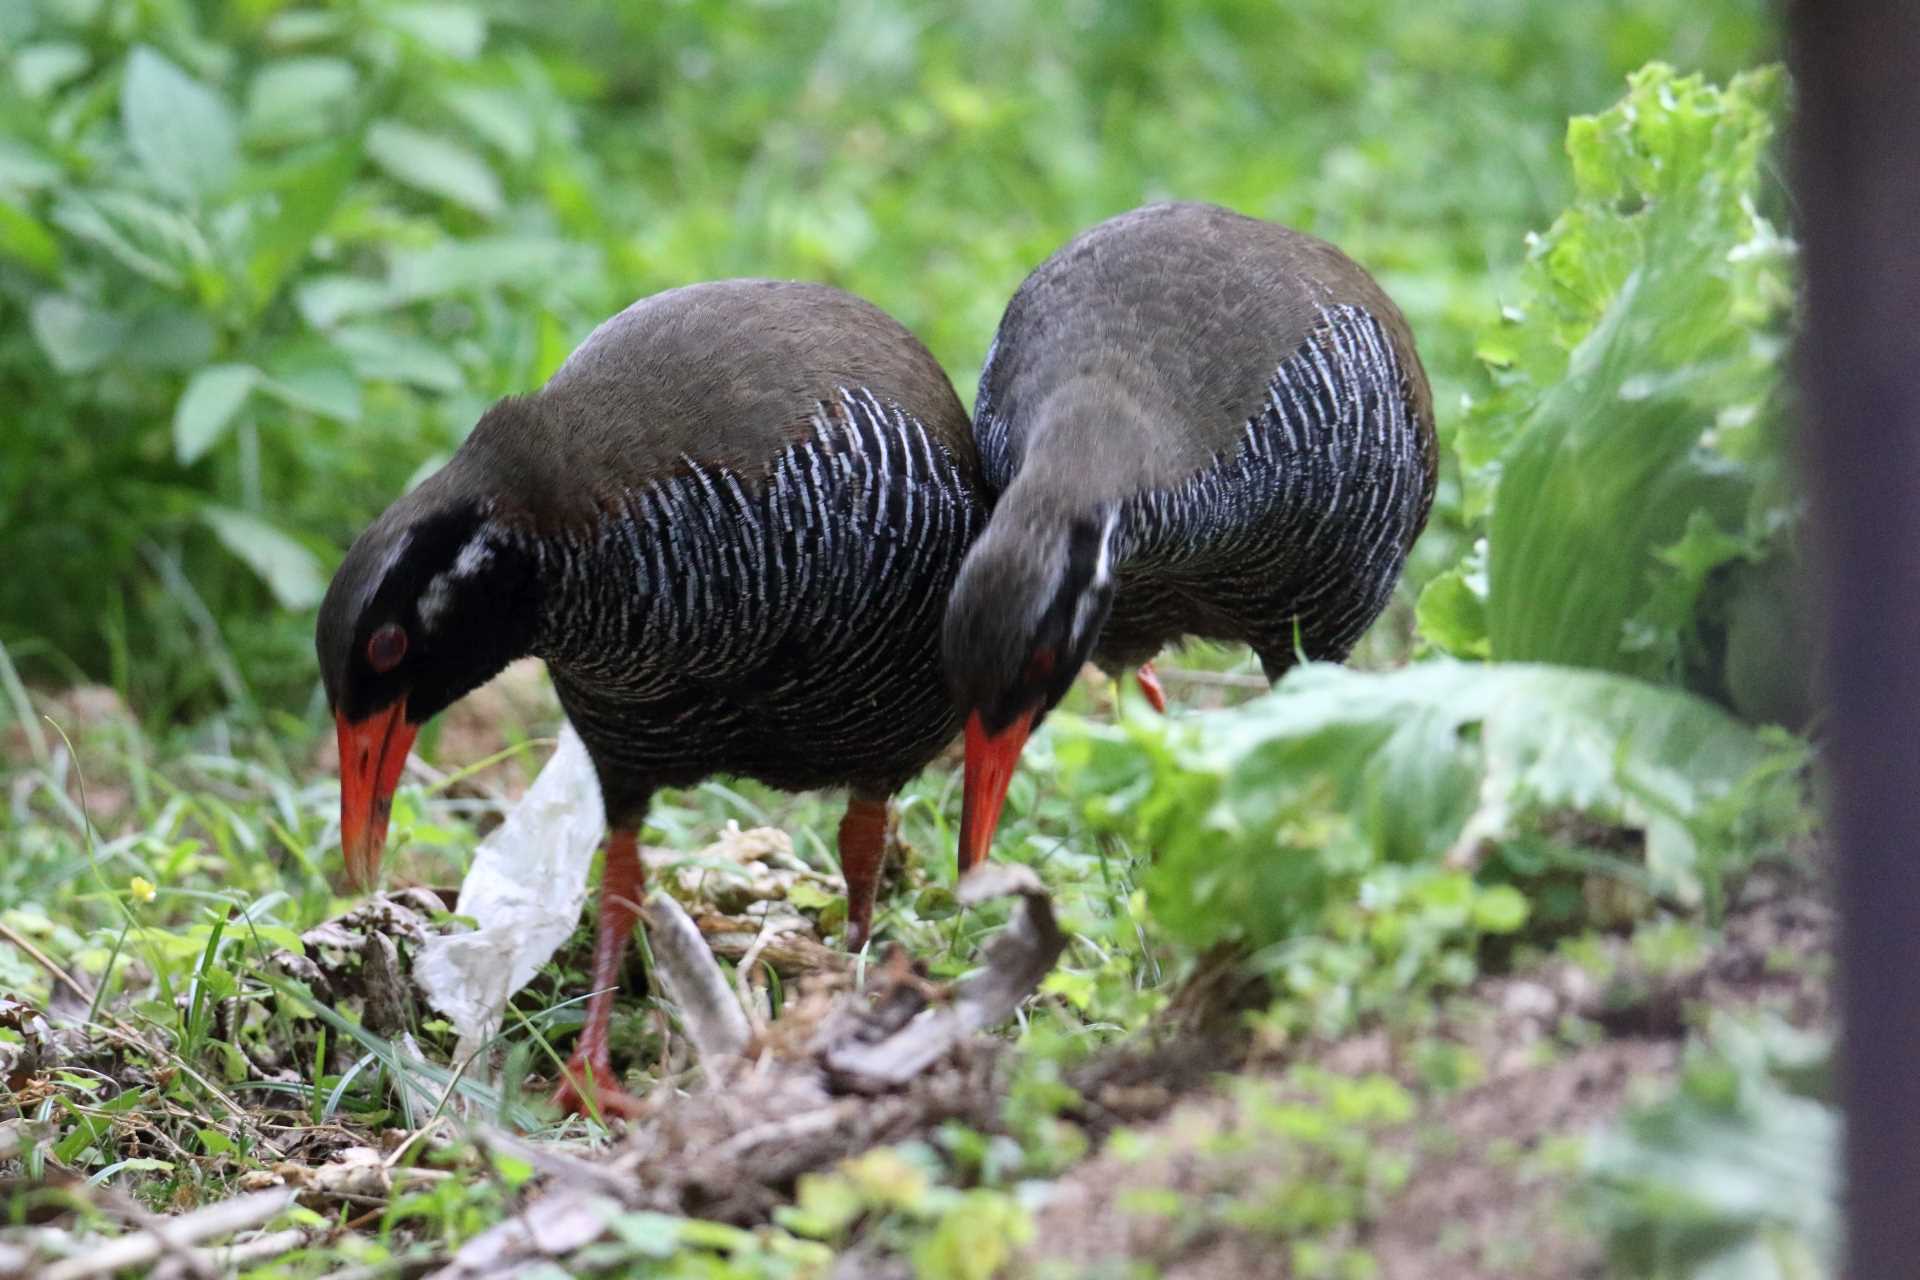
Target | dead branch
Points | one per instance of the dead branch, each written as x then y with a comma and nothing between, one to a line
691,978
169,1235
1018,957
880,1066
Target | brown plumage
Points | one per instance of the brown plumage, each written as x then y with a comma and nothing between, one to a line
729,524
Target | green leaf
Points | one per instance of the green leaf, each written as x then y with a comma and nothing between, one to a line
975,1239
808,896
181,132
291,572
380,354
1452,611
206,408
499,117
1500,908
480,263
327,300
148,238
824,1205
299,98
136,1164
76,337
312,377
453,267
24,240
1619,461
436,165
291,28
22,168
1259,815
168,335
1736,1174
451,29
305,191
39,69
651,1235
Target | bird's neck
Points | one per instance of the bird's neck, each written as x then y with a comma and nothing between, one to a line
1091,442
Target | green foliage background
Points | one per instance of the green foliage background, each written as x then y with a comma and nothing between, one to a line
260,263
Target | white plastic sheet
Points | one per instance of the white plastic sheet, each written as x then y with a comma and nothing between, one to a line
525,890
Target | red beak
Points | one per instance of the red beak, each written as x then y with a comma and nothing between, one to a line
990,762
372,753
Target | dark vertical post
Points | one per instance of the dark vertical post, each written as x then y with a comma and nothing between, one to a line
1857,178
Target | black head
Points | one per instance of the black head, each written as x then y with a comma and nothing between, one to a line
1024,616
431,602
1025,613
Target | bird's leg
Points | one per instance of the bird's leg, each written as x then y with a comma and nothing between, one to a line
589,1076
863,850
1150,685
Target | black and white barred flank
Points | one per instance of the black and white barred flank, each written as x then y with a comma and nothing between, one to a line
1295,541
784,628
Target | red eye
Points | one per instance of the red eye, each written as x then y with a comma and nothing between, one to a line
386,647
1040,665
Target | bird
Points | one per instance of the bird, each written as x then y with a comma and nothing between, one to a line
1192,423
729,524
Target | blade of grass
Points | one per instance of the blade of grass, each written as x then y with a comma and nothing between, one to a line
22,708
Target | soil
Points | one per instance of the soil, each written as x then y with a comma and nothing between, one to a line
1487,1192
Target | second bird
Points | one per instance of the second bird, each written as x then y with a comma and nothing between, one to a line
1196,424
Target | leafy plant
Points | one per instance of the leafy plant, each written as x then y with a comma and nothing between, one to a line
1629,464
247,287
1736,1173
951,1234
1265,816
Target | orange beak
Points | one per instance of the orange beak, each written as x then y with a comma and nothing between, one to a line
990,762
372,753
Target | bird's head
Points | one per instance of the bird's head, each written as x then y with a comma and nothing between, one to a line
1026,610
431,602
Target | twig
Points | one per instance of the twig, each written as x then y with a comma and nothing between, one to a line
43,960
1018,957
230,1258
715,1022
177,1252
548,1159
169,1234
787,1130
1215,679
743,971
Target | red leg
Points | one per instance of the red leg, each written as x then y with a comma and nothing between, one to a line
863,850
590,1073
1150,685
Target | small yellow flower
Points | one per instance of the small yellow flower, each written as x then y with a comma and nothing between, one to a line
141,888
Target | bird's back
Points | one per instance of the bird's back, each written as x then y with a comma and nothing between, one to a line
1248,404
724,375
747,501
1178,315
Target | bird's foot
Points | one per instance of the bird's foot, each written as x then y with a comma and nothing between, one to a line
587,1089
1150,685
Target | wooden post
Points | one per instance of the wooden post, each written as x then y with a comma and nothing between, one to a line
1857,178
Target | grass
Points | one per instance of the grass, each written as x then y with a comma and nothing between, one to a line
207,1067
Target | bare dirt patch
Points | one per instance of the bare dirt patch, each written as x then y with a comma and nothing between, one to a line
1563,1047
